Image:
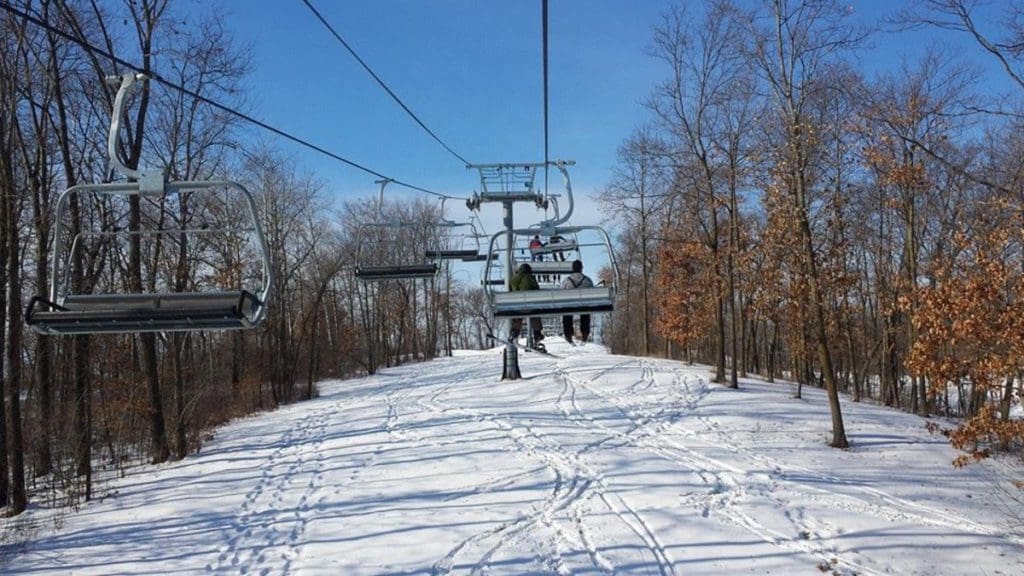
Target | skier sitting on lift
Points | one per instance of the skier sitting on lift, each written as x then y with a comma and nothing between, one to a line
536,244
523,280
555,241
577,280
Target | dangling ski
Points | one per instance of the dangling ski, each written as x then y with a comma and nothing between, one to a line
515,342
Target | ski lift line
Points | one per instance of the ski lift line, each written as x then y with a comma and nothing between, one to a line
200,98
391,93
544,10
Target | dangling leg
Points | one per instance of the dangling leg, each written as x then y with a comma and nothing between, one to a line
537,327
517,327
567,330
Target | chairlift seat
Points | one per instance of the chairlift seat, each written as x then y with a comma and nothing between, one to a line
411,271
560,302
157,312
550,267
510,196
452,254
482,258
550,247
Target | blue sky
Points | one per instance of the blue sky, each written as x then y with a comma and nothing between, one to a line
471,70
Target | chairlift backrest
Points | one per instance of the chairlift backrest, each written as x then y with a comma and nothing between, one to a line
454,241
64,311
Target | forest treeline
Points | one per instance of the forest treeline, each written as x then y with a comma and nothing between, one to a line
72,403
793,216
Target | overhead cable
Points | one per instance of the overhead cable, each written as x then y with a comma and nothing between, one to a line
200,98
544,17
381,82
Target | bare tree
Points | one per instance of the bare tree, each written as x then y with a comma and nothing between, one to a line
792,49
636,195
705,107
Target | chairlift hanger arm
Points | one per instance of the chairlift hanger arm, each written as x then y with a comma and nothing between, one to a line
559,220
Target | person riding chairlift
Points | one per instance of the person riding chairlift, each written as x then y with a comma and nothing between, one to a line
523,280
536,244
553,241
576,280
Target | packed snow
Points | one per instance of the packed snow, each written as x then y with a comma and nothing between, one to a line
591,464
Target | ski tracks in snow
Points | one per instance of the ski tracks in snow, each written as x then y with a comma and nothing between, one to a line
660,430
658,411
654,417
853,495
555,529
266,533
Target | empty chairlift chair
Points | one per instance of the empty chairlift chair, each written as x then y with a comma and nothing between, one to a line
382,272
385,249
64,311
455,241
385,253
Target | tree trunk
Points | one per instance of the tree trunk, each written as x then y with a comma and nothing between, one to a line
821,336
15,440
1007,400
180,421
719,302
731,273
83,410
5,233
15,449
42,458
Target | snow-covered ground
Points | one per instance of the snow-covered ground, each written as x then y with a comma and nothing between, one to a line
591,464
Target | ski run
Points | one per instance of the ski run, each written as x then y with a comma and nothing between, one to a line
591,464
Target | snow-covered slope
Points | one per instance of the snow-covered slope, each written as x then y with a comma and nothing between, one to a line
591,464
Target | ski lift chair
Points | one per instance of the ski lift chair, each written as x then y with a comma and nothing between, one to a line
479,258
65,311
555,267
389,258
384,253
379,273
552,267
554,301
566,245
455,240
